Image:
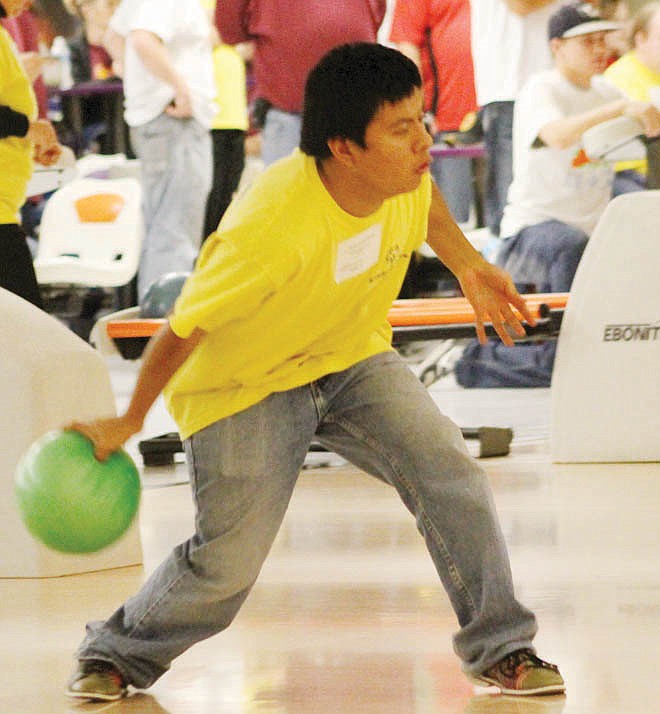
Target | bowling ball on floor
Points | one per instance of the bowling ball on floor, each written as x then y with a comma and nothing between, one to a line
162,294
69,500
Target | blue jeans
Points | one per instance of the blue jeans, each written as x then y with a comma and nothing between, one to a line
280,135
453,176
544,256
243,470
175,172
494,365
497,122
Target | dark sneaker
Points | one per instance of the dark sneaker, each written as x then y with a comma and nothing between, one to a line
522,673
95,679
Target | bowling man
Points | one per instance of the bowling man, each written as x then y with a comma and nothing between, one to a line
280,336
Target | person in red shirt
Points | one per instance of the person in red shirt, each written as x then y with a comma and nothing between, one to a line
435,34
290,37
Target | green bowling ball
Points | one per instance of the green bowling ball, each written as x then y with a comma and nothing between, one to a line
69,500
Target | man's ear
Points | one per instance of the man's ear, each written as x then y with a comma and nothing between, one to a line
343,150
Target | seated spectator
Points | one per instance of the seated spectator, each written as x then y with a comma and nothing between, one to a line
435,34
557,196
637,75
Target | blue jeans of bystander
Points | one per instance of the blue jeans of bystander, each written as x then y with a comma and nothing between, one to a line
627,181
453,177
175,172
545,256
497,122
280,135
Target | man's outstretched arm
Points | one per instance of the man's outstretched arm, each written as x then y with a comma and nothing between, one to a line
489,289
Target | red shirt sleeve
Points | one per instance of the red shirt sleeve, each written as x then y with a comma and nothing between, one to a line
409,23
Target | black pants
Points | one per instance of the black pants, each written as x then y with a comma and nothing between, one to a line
228,163
16,266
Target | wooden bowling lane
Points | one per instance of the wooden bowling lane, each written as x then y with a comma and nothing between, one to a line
348,616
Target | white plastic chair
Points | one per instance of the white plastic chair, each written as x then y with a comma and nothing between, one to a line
91,234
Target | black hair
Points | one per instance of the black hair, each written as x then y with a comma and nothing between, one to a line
345,90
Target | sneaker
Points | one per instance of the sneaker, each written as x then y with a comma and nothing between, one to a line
522,673
96,679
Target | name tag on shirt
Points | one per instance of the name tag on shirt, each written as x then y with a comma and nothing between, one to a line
357,254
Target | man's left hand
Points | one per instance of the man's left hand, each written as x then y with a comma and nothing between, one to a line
493,296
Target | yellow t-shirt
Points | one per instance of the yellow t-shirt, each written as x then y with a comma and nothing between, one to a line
635,80
231,97
15,152
289,288
230,84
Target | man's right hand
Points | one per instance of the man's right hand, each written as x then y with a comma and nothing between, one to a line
163,356
107,435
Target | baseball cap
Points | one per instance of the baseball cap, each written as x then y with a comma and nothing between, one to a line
577,19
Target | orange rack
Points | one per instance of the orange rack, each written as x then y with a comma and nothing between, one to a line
416,319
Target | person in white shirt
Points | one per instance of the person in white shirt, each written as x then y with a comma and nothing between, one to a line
168,84
557,195
508,46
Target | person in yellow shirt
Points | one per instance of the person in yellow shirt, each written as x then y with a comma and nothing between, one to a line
229,125
637,75
22,138
280,336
